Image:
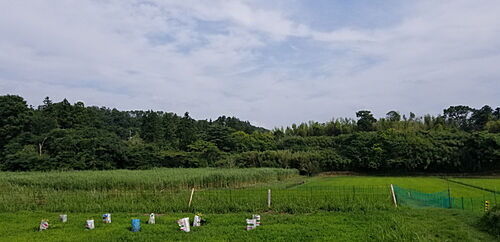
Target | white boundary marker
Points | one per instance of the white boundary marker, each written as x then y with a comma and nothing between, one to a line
269,198
394,196
191,197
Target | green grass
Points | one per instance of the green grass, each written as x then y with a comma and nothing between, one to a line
341,208
423,184
157,191
395,225
463,197
487,183
62,192
155,179
207,201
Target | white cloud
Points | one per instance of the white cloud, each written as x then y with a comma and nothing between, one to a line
247,59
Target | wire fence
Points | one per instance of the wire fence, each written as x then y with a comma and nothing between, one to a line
215,201
294,200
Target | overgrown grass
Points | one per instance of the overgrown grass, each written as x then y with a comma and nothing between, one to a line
155,179
214,201
491,221
321,208
169,190
394,225
144,192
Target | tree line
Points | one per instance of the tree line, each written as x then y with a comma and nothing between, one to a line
65,136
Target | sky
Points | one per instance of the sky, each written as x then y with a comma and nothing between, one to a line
273,63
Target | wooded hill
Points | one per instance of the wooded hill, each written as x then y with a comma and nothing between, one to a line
65,136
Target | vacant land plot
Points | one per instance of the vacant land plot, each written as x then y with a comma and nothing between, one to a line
349,208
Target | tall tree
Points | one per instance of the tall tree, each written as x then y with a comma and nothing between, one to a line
151,129
14,119
458,116
480,117
366,120
186,131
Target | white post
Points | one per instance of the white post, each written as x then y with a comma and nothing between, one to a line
191,198
269,198
394,196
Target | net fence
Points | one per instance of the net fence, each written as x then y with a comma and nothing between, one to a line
443,199
413,198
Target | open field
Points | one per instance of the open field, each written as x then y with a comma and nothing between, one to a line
396,225
168,190
206,201
462,196
217,191
492,184
424,184
349,208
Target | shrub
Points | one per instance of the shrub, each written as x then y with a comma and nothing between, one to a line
491,221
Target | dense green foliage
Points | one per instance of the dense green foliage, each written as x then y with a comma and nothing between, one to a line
66,136
491,221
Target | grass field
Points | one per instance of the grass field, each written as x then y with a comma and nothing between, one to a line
155,179
486,183
349,208
395,225
424,184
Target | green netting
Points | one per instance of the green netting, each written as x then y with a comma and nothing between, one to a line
413,198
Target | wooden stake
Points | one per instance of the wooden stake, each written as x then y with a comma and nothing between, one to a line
394,196
191,198
269,198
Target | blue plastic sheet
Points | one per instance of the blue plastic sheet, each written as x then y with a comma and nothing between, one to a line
136,225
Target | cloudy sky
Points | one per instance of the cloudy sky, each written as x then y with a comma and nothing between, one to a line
271,62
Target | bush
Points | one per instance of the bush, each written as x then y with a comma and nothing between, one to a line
491,221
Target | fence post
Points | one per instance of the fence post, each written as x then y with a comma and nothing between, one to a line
191,197
269,198
394,196
230,196
449,198
462,203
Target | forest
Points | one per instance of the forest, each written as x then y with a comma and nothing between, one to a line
65,136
